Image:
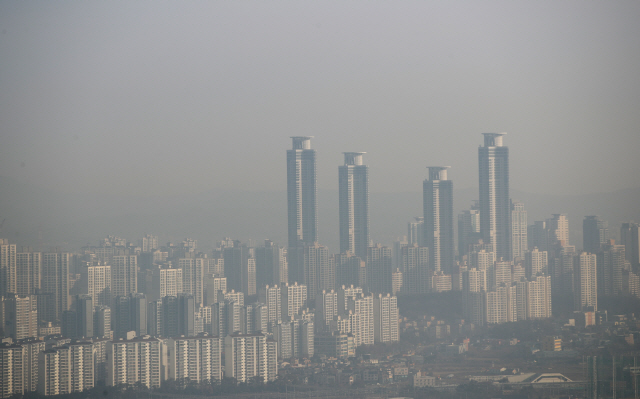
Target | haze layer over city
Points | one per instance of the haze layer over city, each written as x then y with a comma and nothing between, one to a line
388,155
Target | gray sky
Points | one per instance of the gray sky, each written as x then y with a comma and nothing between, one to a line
162,98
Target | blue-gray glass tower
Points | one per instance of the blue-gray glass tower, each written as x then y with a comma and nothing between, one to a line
301,203
438,219
353,184
494,201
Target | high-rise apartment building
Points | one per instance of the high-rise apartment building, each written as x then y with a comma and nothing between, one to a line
149,243
326,308
66,369
193,273
385,317
494,202
55,279
630,238
474,285
248,356
294,298
28,272
99,284
353,184
535,262
350,270
362,324
167,282
585,292
271,265
124,275
595,233
21,316
438,218
611,263
379,268
194,359
396,282
501,305
538,296
12,376
84,316
272,297
102,322
319,269
415,269
518,230
130,314
134,361
7,267
240,268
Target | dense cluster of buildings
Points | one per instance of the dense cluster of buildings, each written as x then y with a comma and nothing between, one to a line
124,313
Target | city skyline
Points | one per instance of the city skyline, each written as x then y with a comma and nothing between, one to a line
158,235
362,77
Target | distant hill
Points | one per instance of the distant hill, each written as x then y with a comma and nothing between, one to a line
44,218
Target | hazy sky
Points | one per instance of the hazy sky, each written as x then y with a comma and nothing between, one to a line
157,98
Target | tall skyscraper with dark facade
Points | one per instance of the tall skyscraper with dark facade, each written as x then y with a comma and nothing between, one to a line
353,181
302,212
495,206
595,233
438,219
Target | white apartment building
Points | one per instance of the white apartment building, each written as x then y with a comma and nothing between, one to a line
197,359
248,356
99,285
134,361
385,316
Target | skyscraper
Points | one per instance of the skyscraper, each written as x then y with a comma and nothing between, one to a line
595,233
55,279
301,192
630,238
438,218
495,207
301,203
353,182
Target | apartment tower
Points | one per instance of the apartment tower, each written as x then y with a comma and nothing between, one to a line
438,219
302,212
353,178
495,207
